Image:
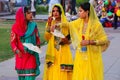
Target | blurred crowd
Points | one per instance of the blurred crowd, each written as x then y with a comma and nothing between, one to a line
108,12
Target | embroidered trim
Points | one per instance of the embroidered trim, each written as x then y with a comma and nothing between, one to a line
66,67
27,74
12,36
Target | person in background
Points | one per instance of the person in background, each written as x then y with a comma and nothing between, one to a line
62,2
117,7
24,30
69,6
58,62
33,9
51,3
106,18
73,10
12,5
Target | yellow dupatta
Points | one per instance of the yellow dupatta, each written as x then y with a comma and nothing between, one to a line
50,55
94,30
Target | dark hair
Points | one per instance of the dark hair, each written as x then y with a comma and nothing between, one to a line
59,9
85,6
27,8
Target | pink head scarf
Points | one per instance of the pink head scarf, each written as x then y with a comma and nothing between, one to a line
19,27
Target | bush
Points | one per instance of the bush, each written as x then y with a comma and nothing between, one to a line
78,2
42,9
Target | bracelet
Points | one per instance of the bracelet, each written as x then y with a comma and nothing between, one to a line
17,51
89,42
48,30
95,42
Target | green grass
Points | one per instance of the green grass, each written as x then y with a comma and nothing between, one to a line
5,49
41,28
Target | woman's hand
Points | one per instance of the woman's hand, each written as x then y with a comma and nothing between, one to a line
20,55
84,42
65,41
49,21
49,27
52,28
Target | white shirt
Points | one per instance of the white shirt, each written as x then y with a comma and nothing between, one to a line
32,6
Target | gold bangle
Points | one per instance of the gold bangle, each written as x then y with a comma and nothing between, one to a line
95,42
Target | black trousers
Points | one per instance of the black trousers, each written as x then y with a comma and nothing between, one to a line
115,21
73,11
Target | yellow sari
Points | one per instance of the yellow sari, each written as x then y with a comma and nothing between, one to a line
57,57
88,65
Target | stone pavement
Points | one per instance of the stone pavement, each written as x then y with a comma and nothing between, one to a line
111,59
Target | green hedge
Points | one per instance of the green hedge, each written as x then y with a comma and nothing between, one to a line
42,9
78,2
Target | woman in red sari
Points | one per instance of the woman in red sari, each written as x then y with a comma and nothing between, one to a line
24,30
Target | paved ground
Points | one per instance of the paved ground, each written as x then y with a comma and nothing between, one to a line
111,57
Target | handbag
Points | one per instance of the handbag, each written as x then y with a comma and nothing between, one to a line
105,46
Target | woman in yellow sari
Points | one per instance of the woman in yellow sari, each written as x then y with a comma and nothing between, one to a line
58,63
88,37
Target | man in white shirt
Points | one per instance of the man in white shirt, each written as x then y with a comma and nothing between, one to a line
33,10
12,5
